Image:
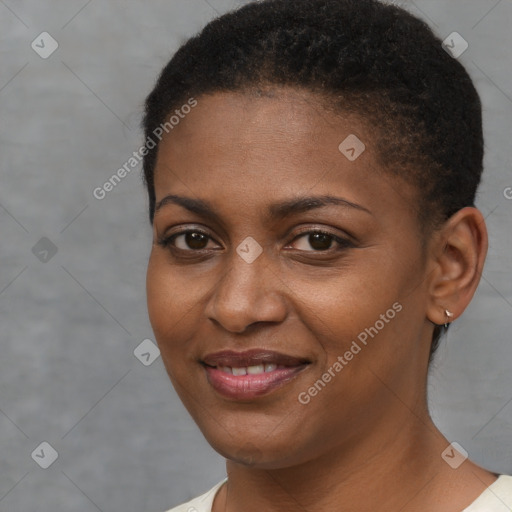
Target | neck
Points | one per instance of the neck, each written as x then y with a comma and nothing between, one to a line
401,468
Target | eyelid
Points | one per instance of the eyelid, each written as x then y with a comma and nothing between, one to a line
342,241
312,229
166,239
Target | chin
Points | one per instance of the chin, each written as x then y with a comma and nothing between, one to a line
267,453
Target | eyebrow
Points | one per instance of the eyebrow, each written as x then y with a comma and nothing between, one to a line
279,210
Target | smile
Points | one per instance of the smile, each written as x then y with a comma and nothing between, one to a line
251,374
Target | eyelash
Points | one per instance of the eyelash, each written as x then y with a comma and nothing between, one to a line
167,242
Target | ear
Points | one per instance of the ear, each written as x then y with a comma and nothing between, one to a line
457,257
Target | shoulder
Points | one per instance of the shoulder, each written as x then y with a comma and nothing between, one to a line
202,503
496,498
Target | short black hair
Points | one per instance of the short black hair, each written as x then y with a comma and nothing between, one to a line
368,58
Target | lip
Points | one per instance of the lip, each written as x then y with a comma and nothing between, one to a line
251,358
250,386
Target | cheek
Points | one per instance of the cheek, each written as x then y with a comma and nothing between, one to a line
175,302
165,299
342,303
157,293
363,316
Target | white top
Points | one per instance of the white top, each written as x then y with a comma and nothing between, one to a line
496,498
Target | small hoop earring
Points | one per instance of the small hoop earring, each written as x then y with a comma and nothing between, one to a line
449,315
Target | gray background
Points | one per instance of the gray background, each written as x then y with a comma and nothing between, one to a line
68,374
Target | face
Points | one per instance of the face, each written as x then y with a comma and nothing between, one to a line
278,317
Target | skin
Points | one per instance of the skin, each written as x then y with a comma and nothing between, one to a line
366,441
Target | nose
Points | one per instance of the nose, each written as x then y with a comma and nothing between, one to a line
246,294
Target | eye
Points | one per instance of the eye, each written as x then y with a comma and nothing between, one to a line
320,241
195,240
188,240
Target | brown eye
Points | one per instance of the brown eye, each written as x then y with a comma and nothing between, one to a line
190,240
195,240
319,241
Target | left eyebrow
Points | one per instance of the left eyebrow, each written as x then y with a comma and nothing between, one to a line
304,204
279,210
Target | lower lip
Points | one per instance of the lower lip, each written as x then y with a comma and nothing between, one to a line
243,387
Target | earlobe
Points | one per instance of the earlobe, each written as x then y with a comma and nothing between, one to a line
458,256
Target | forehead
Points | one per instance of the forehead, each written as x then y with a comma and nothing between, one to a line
282,130
281,114
254,144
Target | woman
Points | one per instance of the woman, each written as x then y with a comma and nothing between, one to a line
312,201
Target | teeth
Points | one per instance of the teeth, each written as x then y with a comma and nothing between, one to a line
253,370
250,370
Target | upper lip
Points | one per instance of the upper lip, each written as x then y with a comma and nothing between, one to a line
252,358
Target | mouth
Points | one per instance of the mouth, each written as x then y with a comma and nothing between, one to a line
251,374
